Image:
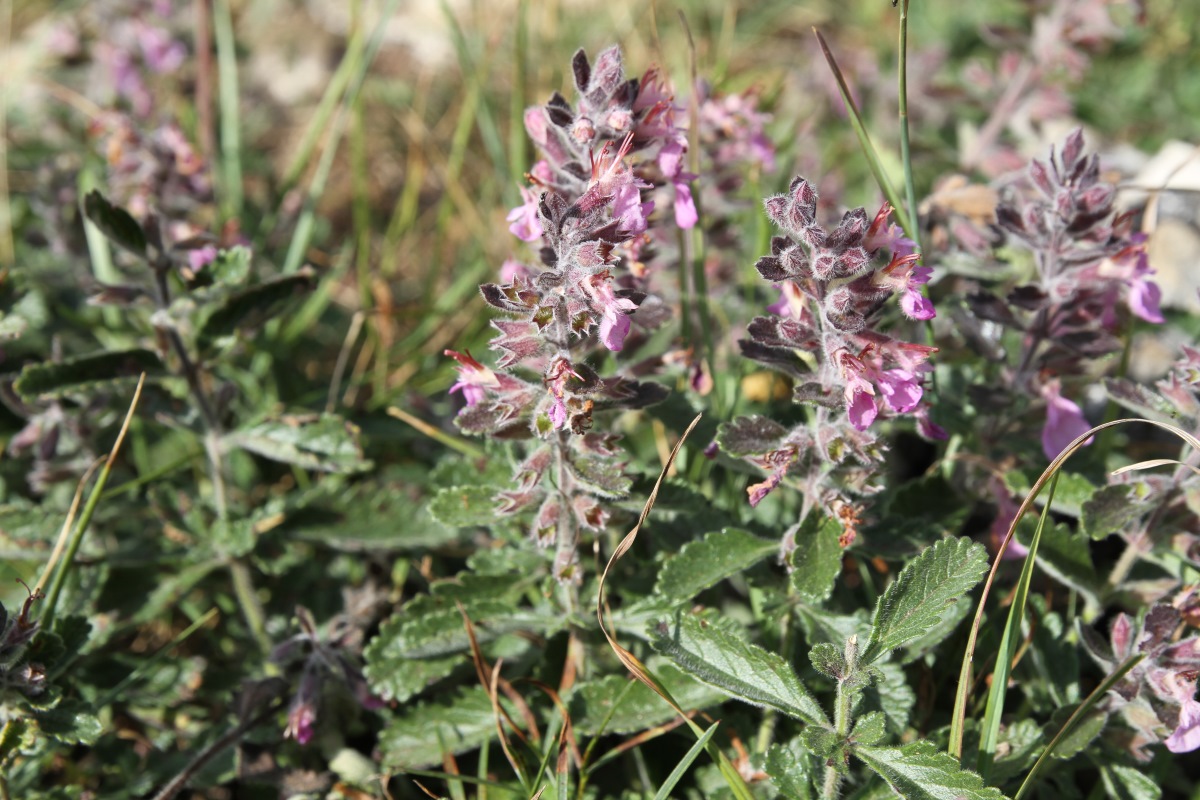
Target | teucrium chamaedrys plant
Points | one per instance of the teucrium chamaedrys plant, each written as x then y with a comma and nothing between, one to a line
826,333
587,215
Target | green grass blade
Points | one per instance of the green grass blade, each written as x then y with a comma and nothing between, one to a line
1008,647
681,768
93,501
905,152
1092,699
864,141
227,90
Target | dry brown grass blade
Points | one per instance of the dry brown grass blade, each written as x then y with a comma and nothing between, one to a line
566,737
500,715
483,670
1154,462
631,662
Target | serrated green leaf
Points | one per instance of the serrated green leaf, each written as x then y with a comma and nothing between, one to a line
428,639
617,704
750,436
420,737
601,476
1140,400
869,728
821,742
1112,509
739,669
816,560
828,659
464,506
325,443
920,771
917,599
1082,734
55,379
793,770
115,223
709,561
1127,783
1074,490
70,722
252,306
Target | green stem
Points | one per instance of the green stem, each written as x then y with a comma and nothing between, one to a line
905,153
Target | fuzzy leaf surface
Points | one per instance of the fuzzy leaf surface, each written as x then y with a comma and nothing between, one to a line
917,599
817,559
55,379
464,506
254,305
324,443
739,669
709,561
614,705
1127,783
920,771
115,223
793,770
420,737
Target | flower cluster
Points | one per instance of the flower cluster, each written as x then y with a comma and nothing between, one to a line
323,664
1090,269
1157,698
589,211
825,334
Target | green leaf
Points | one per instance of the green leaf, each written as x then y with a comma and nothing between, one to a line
115,223
464,506
617,704
1127,783
750,436
817,559
98,370
918,598
427,640
1073,492
920,771
1021,742
793,769
869,728
709,561
325,443
1112,509
70,722
890,693
420,737
231,267
737,668
1079,736
252,306
1140,400
601,476
829,660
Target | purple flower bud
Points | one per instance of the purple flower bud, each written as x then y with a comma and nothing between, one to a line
1064,421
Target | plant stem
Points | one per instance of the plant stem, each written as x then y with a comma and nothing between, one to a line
227,89
905,153
842,716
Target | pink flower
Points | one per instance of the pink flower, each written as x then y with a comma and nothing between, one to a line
900,389
1064,421
904,275
629,208
1186,737
474,379
201,257
302,718
614,320
526,225
881,233
670,161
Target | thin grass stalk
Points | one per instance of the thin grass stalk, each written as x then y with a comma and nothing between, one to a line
227,93
905,152
1008,647
1092,699
7,243
864,140
85,519
664,791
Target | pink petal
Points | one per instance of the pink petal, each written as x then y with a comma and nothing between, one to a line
613,330
1064,423
916,305
1144,297
685,209
862,410
1186,737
